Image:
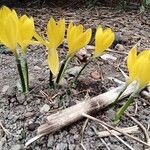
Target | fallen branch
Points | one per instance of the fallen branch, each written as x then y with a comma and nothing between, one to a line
74,113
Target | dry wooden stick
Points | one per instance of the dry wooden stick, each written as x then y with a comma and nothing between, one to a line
132,129
147,137
82,132
116,129
114,134
74,113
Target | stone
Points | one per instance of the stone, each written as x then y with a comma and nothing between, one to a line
73,71
61,146
37,68
5,88
119,47
20,97
50,141
32,126
17,147
95,74
45,108
29,114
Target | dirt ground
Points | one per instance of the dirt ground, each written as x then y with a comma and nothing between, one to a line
23,116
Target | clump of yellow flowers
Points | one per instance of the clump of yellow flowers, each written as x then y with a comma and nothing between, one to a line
77,37
16,34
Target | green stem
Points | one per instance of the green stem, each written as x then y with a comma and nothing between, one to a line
63,68
20,73
26,74
123,108
51,82
121,92
121,111
25,70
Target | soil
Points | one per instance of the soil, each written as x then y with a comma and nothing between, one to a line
22,115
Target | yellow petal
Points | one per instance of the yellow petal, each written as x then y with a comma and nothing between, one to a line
53,61
9,28
84,39
26,31
142,69
61,33
56,32
38,37
98,41
132,57
109,40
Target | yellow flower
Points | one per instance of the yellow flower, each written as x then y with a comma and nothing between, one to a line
14,30
55,32
26,31
8,28
139,67
103,40
77,38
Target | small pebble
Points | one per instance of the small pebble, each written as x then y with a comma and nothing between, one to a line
17,147
95,74
37,68
33,126
5,88
119,47
45,108
29,114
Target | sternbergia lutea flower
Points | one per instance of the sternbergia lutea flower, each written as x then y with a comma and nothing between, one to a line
139,71
55,33
103,40
15,32
139,67
77,38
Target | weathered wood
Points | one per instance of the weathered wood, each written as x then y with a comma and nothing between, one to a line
72,114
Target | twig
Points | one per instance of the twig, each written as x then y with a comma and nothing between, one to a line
116,129
145,101
103,141
106,145
108,50
142,128
6,131
126,130
45,95
114,134
82,132
136,108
